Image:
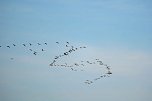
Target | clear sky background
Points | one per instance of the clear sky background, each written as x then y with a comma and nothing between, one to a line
116,31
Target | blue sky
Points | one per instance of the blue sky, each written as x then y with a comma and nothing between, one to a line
118,32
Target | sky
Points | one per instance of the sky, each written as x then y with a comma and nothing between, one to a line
116,31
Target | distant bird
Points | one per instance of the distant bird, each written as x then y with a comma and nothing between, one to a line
38,43
43,50
45,43
12,58
105,65
0,46
30,44
66,53
108,67
96,79
66,45
70,51
67,42
30,49
72,69
88,62
14,45
76,64
84,47
82,64
35,53
100,62
57,42
73,49
109,72
51,64
56,57
8,46
24,45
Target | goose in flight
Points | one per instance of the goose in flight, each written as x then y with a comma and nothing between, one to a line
14,45
30,44
30,49
12,58
109,72
8,46
35,53
66,53
108,67
38,43
24,45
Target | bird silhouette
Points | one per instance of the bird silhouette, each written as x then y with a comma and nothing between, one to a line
109,72
12,58
14,45
24,45
45,43
8,46
30,44
66,53
35,53
57,42
43,50
30,49
38,43
108,67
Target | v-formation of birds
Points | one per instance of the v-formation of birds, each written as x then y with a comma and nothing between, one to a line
77,66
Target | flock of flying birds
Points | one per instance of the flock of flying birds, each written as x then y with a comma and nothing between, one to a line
77,66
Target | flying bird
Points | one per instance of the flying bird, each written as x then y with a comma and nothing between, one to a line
66,53
30,44
8,46
38,43
109,72
35,53
14,45
24,45
30,49
45,43
57,42
108,67
12,58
